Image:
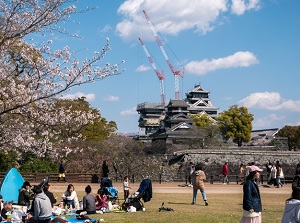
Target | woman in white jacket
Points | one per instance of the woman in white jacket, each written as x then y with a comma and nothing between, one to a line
292,207
70,198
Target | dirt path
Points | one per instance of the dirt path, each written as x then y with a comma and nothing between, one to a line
174,187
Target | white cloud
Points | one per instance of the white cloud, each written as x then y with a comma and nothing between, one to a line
270,101
128,112
240,6
111,98
239,59
88,97
168,17
142,68
267,121
171,17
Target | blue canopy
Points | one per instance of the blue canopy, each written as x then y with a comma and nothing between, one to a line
10,185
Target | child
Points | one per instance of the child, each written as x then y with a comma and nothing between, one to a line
101,200
126,188
198,177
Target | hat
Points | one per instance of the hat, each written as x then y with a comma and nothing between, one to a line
255,168
26,183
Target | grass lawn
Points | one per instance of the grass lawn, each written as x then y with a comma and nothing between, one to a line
223,208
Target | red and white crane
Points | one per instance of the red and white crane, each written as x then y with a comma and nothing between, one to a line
176,73
160,75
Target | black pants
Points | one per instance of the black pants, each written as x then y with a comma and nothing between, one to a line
44,221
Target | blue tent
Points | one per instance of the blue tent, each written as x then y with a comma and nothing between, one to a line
10,185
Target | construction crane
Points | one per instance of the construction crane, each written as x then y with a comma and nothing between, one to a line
160,75
176,73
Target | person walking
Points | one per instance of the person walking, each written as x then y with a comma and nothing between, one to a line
225,172
291,212
252,206
198,178
61,171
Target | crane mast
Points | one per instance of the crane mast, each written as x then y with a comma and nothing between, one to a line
176,73
160,75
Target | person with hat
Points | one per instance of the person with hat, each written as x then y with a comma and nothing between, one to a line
25,194
252,206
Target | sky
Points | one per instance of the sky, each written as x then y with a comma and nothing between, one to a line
244,52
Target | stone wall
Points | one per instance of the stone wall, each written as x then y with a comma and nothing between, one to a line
213,160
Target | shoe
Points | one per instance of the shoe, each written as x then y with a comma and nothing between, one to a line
206,203
224,183
192,203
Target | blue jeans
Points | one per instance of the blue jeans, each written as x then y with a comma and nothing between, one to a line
195,195
69,203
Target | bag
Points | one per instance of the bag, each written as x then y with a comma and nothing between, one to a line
131,209
248,214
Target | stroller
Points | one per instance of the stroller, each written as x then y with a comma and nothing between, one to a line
109,190
144,192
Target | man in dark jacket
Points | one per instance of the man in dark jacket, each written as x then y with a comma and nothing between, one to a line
25,194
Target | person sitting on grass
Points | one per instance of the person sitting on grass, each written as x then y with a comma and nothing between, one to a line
7,207
101,200
70,198
89,201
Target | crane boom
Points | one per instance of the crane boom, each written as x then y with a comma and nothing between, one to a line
160,75
176,73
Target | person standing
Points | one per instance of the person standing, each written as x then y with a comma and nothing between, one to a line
273,175
242,173
42,206
296,179
105,169
88,201
61,171
278,174
198,177
225,173
252,206
126,187
291,212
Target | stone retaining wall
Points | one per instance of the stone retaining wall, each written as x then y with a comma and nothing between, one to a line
213,160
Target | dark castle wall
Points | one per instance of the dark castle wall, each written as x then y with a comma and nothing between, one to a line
213,160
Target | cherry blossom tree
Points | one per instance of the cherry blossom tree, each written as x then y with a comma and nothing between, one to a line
32,76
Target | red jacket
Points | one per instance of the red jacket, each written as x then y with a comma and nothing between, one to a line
225,170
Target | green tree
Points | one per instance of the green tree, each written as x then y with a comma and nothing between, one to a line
293,135
236,123
201,120
208,133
